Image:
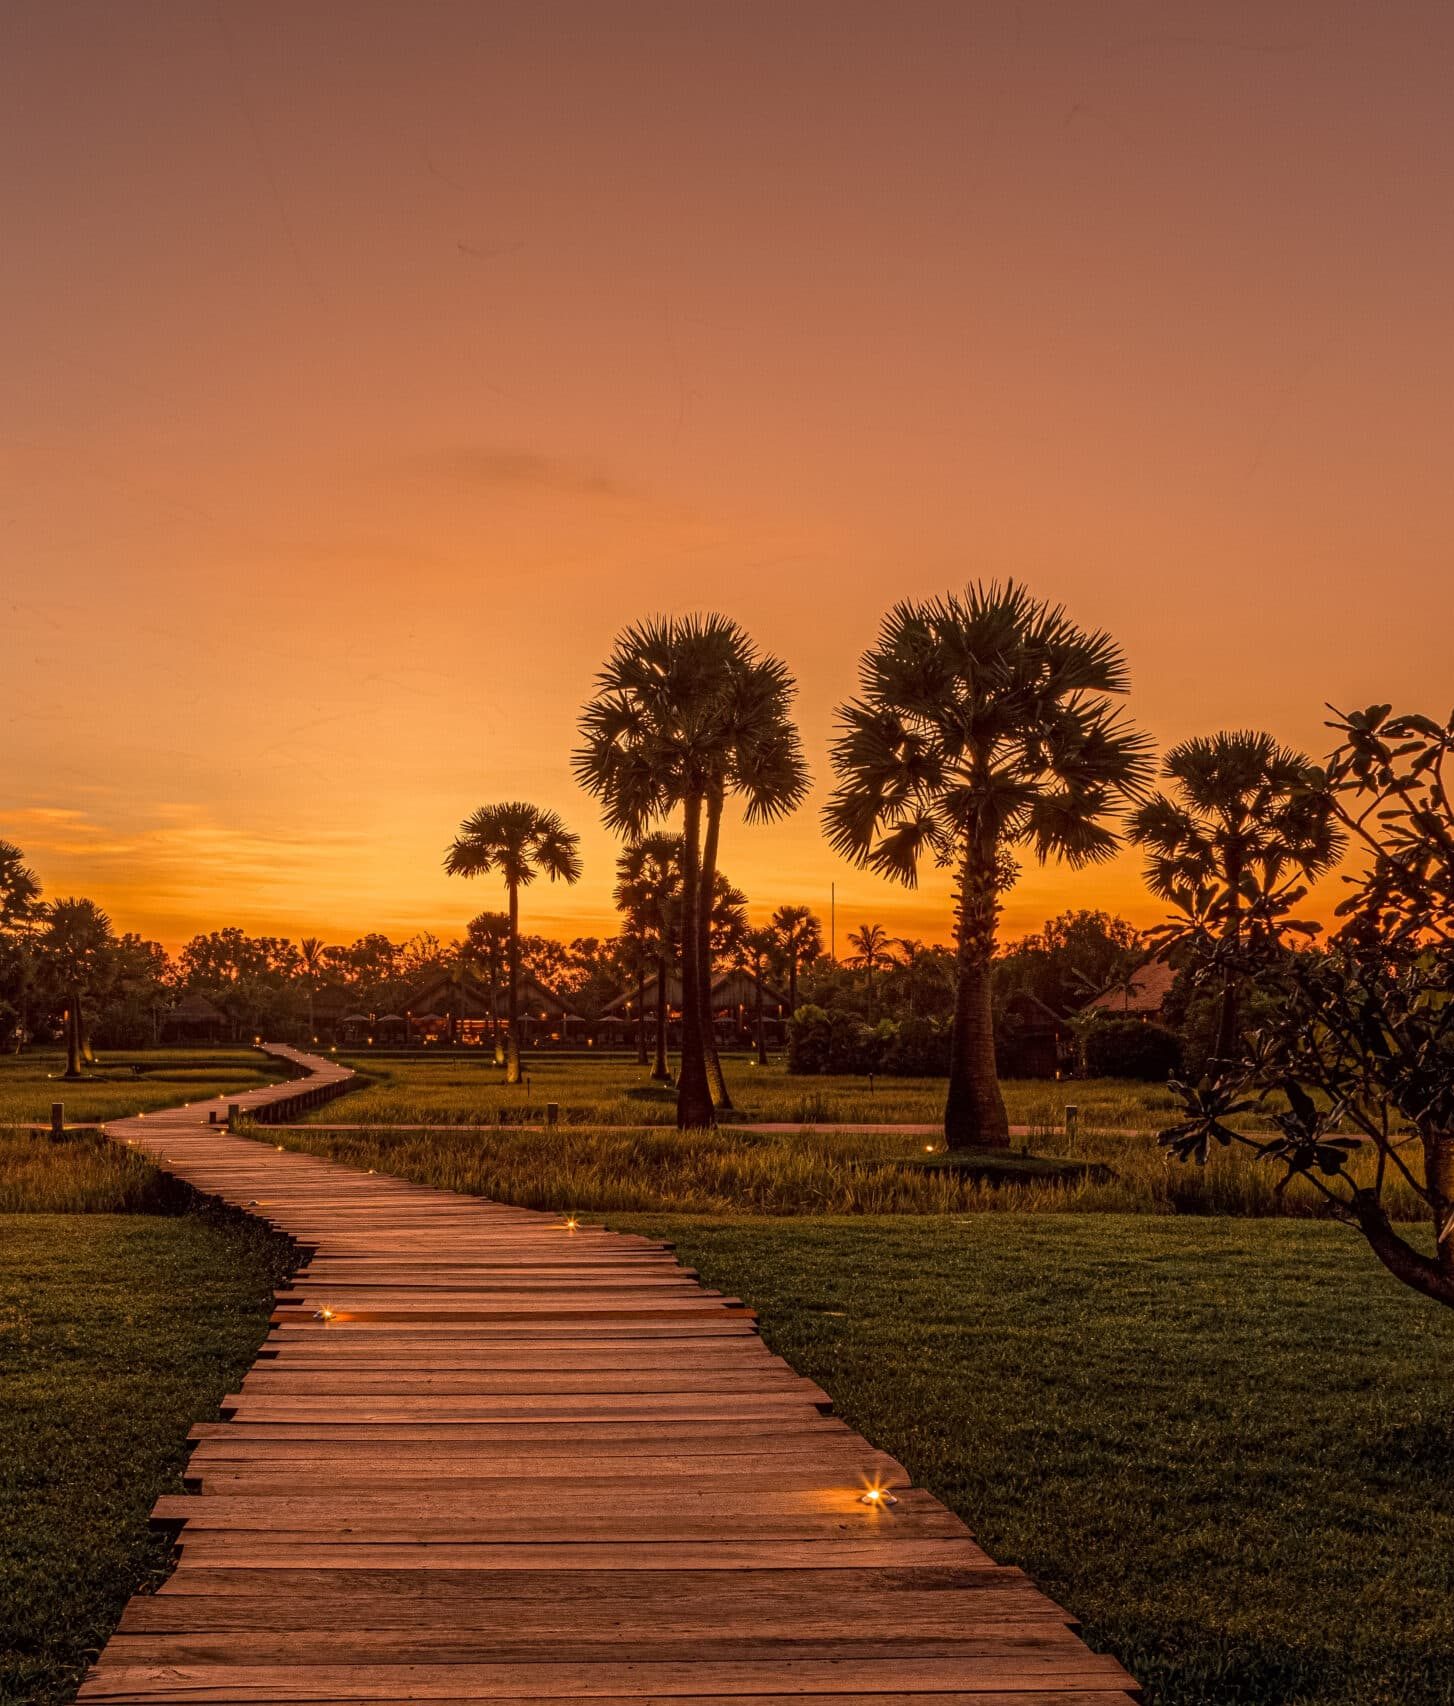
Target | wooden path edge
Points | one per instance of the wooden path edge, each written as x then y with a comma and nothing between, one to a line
488,1454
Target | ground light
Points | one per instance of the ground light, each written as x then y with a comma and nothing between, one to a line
878,1496
323,1314
570,1223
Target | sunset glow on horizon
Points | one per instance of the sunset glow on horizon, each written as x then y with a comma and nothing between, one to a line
371,367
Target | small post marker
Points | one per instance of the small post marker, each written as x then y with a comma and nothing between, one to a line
58,1119
552,1113
1072,1121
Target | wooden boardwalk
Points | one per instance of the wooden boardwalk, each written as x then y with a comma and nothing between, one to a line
486,1456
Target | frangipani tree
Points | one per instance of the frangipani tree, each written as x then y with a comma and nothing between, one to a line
519,841
985,725
1354,1066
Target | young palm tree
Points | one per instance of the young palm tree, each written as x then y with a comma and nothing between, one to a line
649,891
687,714
1234,842
874,947
519,841
74,945
310,963
984,724
489,936
799,942
758,946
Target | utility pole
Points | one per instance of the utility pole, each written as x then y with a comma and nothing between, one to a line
833,922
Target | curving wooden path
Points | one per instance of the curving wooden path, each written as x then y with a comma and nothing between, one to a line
483,1456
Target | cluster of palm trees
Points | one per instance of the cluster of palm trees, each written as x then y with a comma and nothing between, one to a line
986,726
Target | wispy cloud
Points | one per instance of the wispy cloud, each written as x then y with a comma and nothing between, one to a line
504,467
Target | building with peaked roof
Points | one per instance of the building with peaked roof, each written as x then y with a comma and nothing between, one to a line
195,1019
1141,995
734,997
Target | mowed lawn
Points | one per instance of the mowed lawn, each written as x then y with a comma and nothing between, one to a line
129,1081
117,1332
1226,1446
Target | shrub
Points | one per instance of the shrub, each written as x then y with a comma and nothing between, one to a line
1129,1048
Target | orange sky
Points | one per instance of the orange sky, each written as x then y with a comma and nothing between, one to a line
369,365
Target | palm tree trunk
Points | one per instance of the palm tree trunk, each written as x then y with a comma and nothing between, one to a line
73,1035
695,1110
1228,1027
721,1095
496,1039
661,1072
757,1015
640,1006
974,1111
869,967
512,1034
792,978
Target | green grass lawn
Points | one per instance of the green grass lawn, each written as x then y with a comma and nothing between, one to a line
126,1081
1228,1447
117,1332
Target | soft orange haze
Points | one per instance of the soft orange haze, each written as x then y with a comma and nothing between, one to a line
368,365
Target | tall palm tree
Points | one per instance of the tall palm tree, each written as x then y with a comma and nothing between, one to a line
489,936
311,963
687,714
75,943
1234,842
649,891
757,948
799,942
984,723
874,947
520,841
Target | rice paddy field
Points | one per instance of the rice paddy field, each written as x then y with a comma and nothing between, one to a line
125,1082
465,1087
596,1159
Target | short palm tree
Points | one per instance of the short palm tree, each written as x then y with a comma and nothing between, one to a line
984,724
489,939
311,964
873,947
688,713
520,841
649,892
1234,842
799,942
74,946
757,949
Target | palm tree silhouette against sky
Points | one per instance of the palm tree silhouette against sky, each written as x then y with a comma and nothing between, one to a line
76,936
799,941
489,937
649,892
873,947
520,841
688,714
984,724
1234,843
